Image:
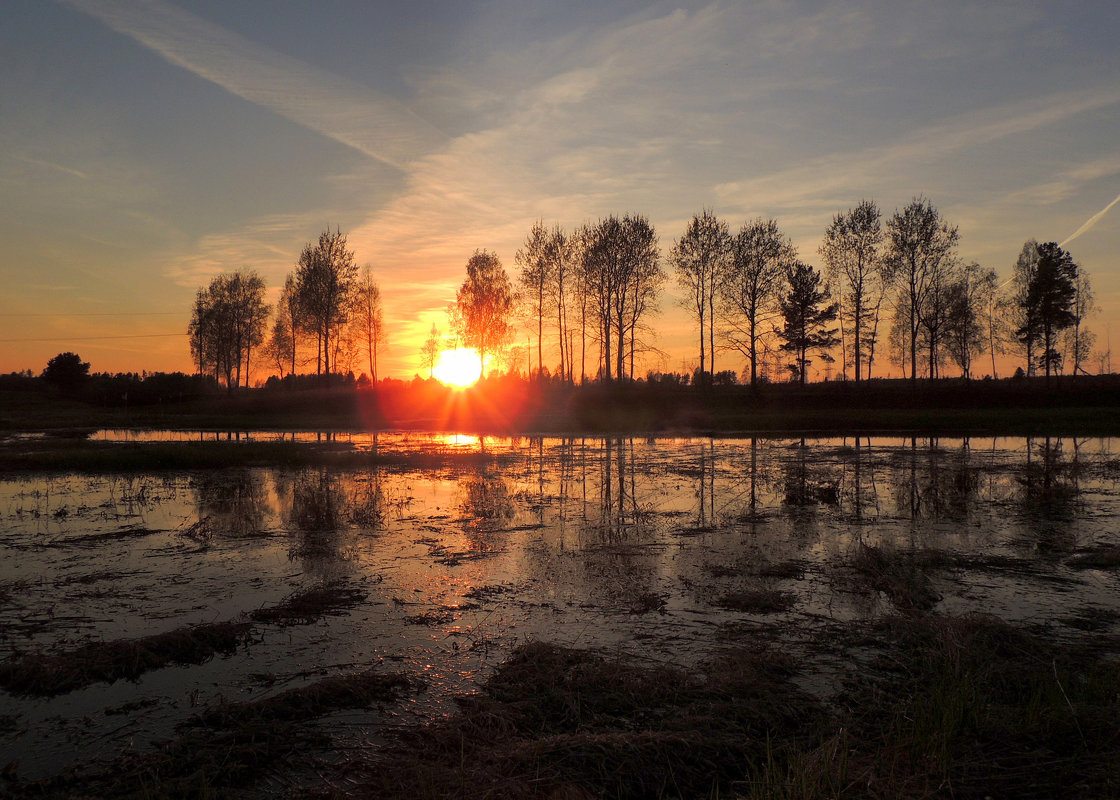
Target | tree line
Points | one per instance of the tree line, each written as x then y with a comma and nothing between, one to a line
893,290
328,306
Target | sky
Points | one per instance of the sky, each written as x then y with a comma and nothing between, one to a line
148,145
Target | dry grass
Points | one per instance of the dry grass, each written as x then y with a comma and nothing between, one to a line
758,601
49,674
556,722
897,575
1107,557
304,608
226,749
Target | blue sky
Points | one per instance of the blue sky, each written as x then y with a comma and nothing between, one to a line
146,145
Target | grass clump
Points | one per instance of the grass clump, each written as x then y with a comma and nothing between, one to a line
899,576
229,747
49,674
558,722
974,707
1107,557
306,607
758,601
306,702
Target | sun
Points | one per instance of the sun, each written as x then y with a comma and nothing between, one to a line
460,367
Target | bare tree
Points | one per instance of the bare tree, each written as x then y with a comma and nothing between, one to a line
325,279
369,318
1079,340
621,275
969,298
484,303
535,259
1022,273
851,252
429,353
699,257
920,243
561,252
227,322
761,256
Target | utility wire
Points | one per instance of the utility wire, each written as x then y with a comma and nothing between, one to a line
94,338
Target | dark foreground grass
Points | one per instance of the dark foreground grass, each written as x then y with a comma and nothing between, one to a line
941,707
229,748
49,674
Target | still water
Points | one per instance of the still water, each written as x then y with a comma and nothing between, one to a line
618,543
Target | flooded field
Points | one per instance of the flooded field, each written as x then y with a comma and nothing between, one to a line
662,549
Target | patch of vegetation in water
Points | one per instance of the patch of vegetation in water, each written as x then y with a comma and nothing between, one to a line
965,702
305,607
227,747
49,674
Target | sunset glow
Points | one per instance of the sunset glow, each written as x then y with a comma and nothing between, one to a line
459,367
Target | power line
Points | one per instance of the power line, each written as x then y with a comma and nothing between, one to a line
95,338
101,314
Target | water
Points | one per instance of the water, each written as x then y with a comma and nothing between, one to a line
617,543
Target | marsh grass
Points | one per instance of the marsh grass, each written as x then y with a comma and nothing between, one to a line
933,706
229,746
899,576
557,722
758,601
49,674
310,605
1106,557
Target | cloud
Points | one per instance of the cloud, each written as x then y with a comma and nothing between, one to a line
369,121
822,179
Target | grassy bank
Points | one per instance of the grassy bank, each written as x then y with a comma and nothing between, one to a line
1067,406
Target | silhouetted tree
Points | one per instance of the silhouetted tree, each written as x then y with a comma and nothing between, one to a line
66,372
1049,301
1079,341
369,317
806,321
621,275
537,268
851,254
920,243
484,302
429,353
699,257
227,322
968,298
325,278
283,340
1022,273
751,283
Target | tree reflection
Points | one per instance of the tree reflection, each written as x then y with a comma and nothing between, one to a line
804,487
487,505
619,512
1051,493
233,502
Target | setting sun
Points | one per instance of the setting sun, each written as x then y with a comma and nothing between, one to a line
459,367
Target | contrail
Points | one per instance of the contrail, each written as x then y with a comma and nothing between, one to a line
348,112
1093,220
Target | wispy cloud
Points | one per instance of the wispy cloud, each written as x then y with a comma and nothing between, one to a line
358,116
821,179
